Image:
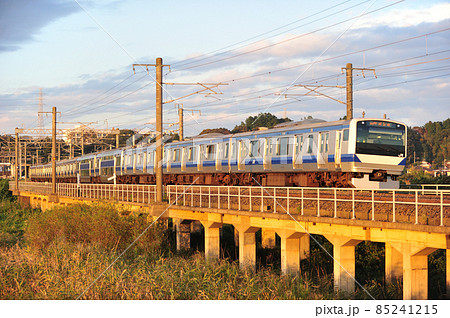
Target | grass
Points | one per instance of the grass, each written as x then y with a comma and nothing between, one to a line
57,254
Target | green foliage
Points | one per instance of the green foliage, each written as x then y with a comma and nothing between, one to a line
215,130
430,142
13,221
100,225
420,177
5,194
262,120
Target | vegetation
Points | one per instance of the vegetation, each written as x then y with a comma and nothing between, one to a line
262,120
430,142
420,177
215,130
58,253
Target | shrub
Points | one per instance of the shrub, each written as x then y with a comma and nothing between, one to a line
5,194
100,224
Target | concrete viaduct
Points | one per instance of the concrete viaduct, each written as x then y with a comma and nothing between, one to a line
412,224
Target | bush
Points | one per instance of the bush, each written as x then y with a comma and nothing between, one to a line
5,194
13,220
100,224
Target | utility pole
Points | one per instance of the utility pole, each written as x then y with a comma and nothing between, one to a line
159,131
25,160
349,77
159,123
54,151
16,173
82,144
181,125
117,138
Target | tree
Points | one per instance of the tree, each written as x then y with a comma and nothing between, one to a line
215,130
414,145
262,120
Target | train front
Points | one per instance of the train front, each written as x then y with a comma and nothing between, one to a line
379,151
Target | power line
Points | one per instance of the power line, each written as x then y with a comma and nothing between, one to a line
287,40
199,58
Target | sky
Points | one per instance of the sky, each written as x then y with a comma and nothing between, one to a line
262,53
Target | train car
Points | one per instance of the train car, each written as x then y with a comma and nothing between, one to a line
362,153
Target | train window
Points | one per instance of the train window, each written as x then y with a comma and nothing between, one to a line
233,150
176,155
323,143
283,146
380,138
345,136
299,145
190,154
139,159
254,148
210,151
226,150
310,143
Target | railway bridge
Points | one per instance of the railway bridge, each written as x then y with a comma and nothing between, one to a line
411,223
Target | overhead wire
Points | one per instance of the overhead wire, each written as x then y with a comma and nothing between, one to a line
199,58
288,40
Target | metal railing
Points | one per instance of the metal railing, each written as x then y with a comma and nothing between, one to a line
426,207
120,192
436,187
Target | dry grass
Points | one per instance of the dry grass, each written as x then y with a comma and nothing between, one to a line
57,254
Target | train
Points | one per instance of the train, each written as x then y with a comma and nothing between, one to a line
360,153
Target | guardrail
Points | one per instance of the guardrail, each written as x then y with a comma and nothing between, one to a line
424,207
120,192
436,187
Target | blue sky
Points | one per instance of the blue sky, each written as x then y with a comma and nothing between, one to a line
81,54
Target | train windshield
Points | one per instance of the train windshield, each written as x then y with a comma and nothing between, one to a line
380,138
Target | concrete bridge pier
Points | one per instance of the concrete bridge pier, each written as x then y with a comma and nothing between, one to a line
344,262
293,247
447,256
247,245
393,263
183,230
415,270
212,239
267,238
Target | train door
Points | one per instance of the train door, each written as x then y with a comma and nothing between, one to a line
242,147
337,149
322,156
232,155
297,153
200,152
150,162
267,154
219,155
134,162
144,162
344,144
170,157
183,158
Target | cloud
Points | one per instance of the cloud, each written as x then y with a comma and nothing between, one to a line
21,20
406,18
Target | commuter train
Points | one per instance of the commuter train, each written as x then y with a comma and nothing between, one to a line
362,153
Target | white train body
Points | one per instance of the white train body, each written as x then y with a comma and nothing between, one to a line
364,153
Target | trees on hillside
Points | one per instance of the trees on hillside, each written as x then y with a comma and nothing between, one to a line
430,142
262,120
